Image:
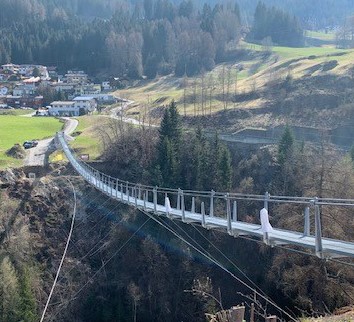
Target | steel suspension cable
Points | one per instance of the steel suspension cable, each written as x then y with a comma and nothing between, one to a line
218,264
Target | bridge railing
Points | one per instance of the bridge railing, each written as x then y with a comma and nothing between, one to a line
223,205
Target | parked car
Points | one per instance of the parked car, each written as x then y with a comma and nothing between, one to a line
30,144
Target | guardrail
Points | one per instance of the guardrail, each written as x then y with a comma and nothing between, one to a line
212,209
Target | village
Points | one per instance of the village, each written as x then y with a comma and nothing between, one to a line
41,88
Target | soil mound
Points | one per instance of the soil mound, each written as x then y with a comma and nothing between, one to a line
16,152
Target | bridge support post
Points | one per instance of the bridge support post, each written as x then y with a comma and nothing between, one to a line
179,199
117,188
139,191
110,185
228,214
121,192
318,231
193,206
97,179
155,199
266,199
307,222
183,208
136,196
211,212
127,191
145,198
234,212
202,210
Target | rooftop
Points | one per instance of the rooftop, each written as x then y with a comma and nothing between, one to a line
83,98
68,103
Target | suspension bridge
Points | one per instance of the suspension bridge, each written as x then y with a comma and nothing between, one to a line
219,210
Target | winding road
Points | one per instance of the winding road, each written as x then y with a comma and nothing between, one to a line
36,156
118,114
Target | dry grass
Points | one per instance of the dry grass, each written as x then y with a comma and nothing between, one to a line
88,141
298,62
345,314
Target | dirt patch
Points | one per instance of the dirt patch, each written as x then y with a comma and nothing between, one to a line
17,152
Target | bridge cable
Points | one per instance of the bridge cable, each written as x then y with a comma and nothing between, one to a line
220,252
218,264
269,300
104,264
64,253
92,251
230,261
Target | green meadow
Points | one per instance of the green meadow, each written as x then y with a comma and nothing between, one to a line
17,129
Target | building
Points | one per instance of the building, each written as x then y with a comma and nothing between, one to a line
87,90
63,108
88,103
78,106
24,101
28,70
106,86
77,77
63,87
24,90
105,98
10,67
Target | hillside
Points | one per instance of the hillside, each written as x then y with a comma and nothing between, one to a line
305,87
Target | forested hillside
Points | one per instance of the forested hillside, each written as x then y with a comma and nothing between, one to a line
131,39
159,37
314,14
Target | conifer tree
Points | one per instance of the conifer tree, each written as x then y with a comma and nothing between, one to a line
9,292
225,169
27,308
170,135
286,146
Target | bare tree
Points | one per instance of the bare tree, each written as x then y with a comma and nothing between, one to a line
136,295
202,91
228,84
222,76
211,89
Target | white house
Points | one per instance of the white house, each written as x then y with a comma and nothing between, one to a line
88,103
87,89
63,108
27,70
24,89
63,87
105,98
11,67
106,86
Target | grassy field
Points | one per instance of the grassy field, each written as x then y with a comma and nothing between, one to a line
245,76
329,36
294,52
87,141
17,129
15,112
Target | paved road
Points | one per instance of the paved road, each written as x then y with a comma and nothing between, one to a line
118,114
37,156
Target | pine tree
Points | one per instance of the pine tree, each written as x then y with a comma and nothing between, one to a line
170,136
27,308
9,292
225,169
286,146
